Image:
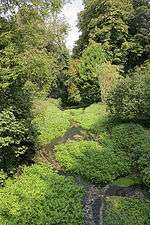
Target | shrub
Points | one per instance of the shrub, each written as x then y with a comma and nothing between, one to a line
129,99
40,71
40,196
92,160
144,159
129,137
88,83
146,176
17,135
73,91
16,139
108,76
126,211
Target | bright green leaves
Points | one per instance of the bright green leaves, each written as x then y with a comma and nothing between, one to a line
95,162
14,139
41,196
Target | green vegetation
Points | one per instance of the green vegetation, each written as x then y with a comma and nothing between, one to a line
51,121
127,181
129,137
125,211
110,69
40,196
93,161
92,118
129,99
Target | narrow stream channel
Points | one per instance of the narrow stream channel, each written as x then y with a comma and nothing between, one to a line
94,199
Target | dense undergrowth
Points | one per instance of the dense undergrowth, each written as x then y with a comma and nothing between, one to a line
95,162
110,139
126,211
52,122
40,196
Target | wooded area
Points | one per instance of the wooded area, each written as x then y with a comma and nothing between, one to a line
75,125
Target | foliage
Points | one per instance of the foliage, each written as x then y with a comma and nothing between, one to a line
83,78
27,67
127,181
146,176
105,22
3,177
121,27
40,196
40,70
144,158
129,137
44,5
16,139
93,161
16,133
129,99
92,57
51,121
73,92
93,118
108,76
126,211
139,26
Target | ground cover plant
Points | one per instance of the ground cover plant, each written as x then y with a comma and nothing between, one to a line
125,211
128,181
51,121
93,161
130,138
92,118
40,196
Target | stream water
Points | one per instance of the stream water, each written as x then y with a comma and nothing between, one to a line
94,199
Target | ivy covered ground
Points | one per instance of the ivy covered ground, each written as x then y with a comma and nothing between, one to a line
83,173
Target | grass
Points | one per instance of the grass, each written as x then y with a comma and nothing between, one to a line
126,211
92,161
40,196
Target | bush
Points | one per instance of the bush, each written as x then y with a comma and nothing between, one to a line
126,211
40,196
92,160
144,159
17,135
88,83
129,138
129,99
16,139
108,76
82,76
146,176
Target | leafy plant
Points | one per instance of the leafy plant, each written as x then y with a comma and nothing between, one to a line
40,196
50,120
129,137
126,211
129,99
93,161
